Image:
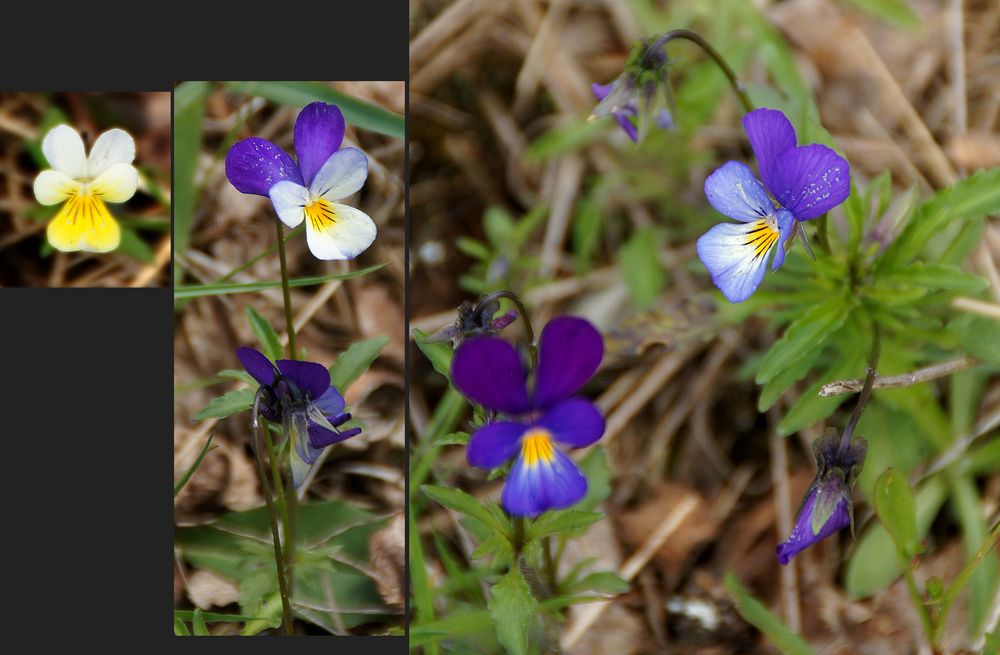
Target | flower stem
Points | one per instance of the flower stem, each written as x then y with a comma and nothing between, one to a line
870,377
511,296
518,526
695,38
550,566
272,514
283,506
293,353
951,593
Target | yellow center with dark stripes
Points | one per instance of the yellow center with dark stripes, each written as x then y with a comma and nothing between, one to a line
85,210
536,446
762,235
320,214
84,223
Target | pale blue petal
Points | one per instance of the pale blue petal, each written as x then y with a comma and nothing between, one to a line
734,191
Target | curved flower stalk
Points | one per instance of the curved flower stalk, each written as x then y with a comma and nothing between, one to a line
804,182
311,189
490,372
641,96
299,396
85,183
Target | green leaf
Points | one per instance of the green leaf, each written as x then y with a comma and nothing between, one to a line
133,246
498,225
211,617
597,470
194,467
978,336
355,360
938,276
602,582
897,12
586,231
197,291
299,94
802,335
874,564
439,353
640,263
231,402
780,383
560,522
754,612
897,511
461,502
451,439
513,609
983,584
265,334
811,407
198,624
189,100
180,629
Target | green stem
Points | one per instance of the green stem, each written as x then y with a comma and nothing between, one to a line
518,529
511,296
918,603
272,514
695,38
286,523
293,352
951,593
550,566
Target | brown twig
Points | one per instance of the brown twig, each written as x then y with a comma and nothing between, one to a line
903,380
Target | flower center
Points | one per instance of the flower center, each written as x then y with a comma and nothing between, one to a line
320,213
762,235
536,446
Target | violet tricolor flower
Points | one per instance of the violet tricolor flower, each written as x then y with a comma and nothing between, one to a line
299,396
489,371
640,96
804,182
309,191
828,506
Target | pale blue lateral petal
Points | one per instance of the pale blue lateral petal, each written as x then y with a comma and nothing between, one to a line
786,227
342,175
734,191
289,200
736,256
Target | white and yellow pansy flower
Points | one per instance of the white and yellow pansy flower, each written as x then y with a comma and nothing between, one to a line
85,184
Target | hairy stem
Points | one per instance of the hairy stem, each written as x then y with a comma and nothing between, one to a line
293,353
272,514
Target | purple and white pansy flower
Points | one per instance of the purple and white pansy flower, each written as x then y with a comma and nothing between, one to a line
799,183
311,189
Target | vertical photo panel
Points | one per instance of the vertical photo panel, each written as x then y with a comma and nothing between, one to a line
289,345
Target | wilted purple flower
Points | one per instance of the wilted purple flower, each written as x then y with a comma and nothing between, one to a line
474,320
828,505
309,191
805,182
640,96
299,395
490,372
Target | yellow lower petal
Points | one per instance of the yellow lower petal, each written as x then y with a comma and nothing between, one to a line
84,223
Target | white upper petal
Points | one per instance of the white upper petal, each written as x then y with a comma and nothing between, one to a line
350,234
52,187
63,148
116,184
342,175
112,147
289,200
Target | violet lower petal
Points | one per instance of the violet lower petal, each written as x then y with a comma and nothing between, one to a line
489,372
257,365
321,437
555,483
802,534
319,131
569,352
494,444
308,376
575,422
810,181
254,165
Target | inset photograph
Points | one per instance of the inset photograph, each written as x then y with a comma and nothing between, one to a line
288,358
87,196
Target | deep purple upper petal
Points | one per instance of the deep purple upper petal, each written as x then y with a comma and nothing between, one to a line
734,191
770,134
494,444
569,353
531,490
331,403
575,422
802,535
810,181
307,376
489,372
254,165
319,131
257,365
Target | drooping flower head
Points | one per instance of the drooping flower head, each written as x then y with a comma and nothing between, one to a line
475,320
828,505
85,183
299,396
310,189
489,371
640,96
804,182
